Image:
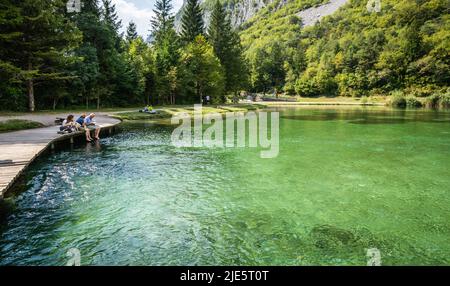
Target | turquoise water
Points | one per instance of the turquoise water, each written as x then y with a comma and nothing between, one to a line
345,180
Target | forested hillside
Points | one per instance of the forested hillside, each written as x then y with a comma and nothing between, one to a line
406,46
355,52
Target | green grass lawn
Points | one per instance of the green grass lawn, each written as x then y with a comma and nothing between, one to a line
18,124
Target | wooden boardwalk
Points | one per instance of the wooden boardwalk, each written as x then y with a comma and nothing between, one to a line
19,149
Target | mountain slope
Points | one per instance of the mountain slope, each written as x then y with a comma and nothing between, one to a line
352,51
356,52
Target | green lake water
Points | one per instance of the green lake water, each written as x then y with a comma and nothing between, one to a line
345,180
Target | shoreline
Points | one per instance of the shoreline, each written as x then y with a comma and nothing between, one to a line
320,103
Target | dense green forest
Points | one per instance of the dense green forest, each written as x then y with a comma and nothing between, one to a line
402,50
52,58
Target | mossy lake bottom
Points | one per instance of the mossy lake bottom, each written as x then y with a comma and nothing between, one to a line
345,180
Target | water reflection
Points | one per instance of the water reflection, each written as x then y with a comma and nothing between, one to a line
368,116
93,147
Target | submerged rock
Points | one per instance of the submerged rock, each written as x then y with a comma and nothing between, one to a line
327,236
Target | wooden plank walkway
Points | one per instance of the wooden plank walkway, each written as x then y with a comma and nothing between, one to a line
20,148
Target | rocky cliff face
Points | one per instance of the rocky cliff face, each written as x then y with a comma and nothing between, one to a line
240,10
243,10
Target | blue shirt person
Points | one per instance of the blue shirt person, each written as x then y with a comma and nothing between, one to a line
80,119
88,121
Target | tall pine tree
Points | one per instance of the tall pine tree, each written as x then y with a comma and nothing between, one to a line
163,21
89,70
192,21
228,49
112,21
131,32
166,47
110,15
38,43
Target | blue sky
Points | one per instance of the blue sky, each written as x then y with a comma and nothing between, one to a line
140,12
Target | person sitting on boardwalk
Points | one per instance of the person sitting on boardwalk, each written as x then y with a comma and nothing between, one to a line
69,125
80,119
89,125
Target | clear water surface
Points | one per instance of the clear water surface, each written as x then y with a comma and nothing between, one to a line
345,180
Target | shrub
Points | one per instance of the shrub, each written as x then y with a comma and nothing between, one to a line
412,101
11,97
364,100
444,100
432,101
397,99
420,91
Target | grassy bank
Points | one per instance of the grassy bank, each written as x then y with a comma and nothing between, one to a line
328,99
435,101
397,99
18,124
169,111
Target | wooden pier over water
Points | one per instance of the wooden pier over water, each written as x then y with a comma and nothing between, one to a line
20,148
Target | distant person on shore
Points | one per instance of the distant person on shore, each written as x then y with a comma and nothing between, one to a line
148,109
89,125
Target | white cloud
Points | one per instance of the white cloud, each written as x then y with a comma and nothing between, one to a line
177,5
128,11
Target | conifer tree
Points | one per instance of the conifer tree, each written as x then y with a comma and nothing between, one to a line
131,32
228,49
166,51
163,21
89,71
192,21
110,16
